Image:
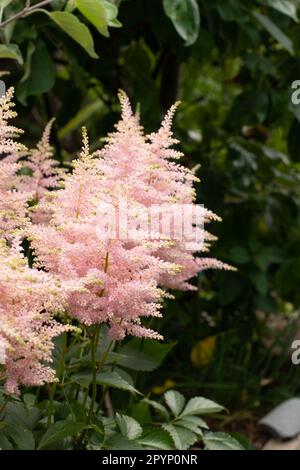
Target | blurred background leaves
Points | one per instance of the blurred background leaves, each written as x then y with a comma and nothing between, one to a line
232,65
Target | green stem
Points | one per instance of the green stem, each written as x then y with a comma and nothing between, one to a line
86,393
104,357
94,344
100,365
52,389
37,395
4,404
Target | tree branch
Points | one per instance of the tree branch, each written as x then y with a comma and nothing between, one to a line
25,12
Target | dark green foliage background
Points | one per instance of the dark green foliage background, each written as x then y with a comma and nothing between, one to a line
237,121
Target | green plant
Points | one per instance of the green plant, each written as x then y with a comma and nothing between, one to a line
60,421
233,71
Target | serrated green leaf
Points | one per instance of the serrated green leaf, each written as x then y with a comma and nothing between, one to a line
124,375
194,423
119,442
109,379
201,406
141,412
175,401
173,434
196,420
23,437
129,427
20,435
140,355
16,413
183,438
158,407
59,431
185,17
158,439
113,379
220,441
71,25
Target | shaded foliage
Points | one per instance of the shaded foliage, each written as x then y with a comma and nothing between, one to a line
232,64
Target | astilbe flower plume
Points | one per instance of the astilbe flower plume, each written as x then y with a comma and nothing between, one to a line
44,175
28,299
97,279
13,202
123,277
120,279
25,175
144,167
8,145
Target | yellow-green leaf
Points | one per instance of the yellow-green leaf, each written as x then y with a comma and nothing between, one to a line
11,51
95,13
74,28
111,14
